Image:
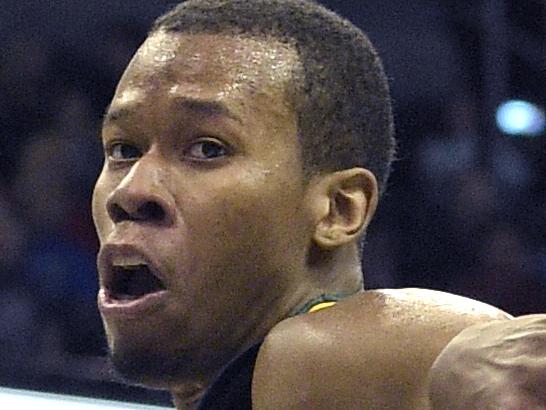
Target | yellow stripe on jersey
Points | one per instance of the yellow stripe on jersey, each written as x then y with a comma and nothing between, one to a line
321,306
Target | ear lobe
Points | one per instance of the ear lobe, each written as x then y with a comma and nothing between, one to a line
347,202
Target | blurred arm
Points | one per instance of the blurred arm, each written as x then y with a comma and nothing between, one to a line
498,365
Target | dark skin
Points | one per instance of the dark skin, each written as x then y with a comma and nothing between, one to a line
370,351
203,183
497,365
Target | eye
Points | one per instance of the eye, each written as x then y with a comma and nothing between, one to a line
121,151
207,149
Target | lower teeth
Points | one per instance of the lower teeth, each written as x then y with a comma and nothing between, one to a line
126,297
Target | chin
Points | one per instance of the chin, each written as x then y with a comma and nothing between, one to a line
150,368
156,366
141,357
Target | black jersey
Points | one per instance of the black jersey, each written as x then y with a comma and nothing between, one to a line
232,389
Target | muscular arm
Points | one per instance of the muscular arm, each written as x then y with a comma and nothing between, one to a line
372,351
498,365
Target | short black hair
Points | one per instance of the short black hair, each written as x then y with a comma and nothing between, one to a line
342,99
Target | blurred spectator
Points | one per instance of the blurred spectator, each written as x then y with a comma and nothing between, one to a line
24,77
50,155
59,266
512,170
31,342
119,43
504,273
28,338
13,237
441,158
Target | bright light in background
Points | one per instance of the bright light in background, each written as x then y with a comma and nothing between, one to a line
517,117
22,399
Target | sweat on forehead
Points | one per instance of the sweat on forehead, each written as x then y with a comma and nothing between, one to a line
243,59
208,74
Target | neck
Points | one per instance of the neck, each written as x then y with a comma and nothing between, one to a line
337,271
333,273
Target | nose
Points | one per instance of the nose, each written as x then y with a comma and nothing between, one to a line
142,196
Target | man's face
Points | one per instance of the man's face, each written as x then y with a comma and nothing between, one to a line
200,205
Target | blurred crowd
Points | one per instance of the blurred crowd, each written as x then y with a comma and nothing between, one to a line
464,212
53,96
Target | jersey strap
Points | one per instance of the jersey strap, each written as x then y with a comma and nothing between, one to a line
321,302
321,306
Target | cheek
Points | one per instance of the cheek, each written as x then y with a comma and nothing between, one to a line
98,206
248,217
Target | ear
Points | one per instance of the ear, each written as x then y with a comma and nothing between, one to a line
343,205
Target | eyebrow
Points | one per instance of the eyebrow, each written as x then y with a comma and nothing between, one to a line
207,107
211,108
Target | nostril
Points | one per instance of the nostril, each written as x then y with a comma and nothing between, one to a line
118,214
148,211
151,211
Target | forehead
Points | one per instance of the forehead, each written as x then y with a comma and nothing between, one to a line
214,66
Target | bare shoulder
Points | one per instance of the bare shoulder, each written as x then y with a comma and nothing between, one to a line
372,350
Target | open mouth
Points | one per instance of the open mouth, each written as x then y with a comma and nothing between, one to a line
131,282
131,285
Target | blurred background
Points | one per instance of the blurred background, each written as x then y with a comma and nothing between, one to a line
465,210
